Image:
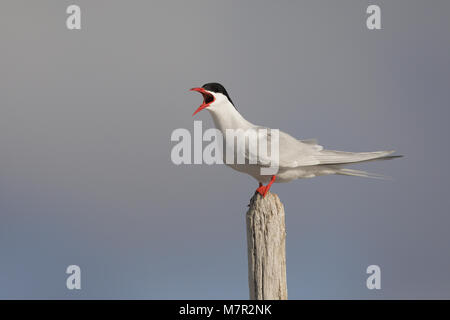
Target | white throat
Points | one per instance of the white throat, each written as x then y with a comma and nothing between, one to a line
225,115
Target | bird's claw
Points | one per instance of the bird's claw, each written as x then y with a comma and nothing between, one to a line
262,190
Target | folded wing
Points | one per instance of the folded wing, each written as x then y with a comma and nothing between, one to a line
296,153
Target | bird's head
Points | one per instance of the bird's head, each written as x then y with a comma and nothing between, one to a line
213,95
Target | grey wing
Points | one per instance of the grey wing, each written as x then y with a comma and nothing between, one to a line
292,152
296,153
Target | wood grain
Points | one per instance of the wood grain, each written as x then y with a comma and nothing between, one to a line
266,242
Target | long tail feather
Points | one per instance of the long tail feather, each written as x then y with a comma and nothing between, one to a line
360,173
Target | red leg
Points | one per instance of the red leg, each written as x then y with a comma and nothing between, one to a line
264,189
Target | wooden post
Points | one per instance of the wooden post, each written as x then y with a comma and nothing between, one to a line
266,242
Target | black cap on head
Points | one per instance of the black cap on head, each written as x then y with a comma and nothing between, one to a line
218,88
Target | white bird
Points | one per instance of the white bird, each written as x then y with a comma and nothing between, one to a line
297,158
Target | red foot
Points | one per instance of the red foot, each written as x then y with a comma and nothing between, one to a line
262,190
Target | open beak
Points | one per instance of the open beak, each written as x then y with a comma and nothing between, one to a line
208,98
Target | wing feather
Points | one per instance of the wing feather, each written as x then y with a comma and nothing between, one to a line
297,153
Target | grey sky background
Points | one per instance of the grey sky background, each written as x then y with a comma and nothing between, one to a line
85,124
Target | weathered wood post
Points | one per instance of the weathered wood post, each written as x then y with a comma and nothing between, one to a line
266,242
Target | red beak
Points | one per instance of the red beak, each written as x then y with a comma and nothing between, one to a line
208,98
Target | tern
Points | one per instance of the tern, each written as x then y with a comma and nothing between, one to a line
297,158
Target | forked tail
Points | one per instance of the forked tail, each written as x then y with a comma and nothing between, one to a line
360,173
337,159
